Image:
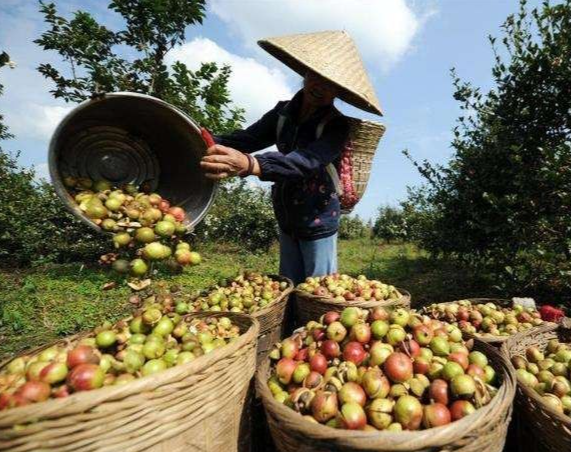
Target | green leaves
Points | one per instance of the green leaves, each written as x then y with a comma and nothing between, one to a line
97,58
503,200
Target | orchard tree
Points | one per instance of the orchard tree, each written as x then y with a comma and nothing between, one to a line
504,200
133,58
4,61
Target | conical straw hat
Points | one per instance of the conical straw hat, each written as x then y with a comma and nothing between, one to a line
334,56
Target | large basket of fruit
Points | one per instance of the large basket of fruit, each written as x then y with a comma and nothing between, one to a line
264,297
318,295
542,360
489,319
139,385
360,381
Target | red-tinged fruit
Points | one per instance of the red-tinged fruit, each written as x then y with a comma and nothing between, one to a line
351,392
398,367
354,352
290,347
82,354
408,412
375,384
324,406
460,358
302,355
352,416
330,317
436,415
361,332
421,365
177,212
460,409
476,371
438,392
61,392
86,377
285,369
410,348
318,363
35,391
330,349
54,373
313,381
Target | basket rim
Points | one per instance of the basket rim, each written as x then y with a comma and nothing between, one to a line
564,419
283,296
505,396
491,339
359,304
83,400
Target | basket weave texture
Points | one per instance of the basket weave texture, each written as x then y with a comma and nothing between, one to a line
484,430
497,340
195,406
364,136
271,320
311,307
540,428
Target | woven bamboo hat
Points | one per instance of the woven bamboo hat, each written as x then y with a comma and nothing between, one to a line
334,56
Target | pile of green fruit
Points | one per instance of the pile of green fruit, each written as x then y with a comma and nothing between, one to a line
548,373
375,370
249,292
145,227
485,319
346,288
148,343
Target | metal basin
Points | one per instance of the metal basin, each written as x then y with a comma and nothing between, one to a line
132,138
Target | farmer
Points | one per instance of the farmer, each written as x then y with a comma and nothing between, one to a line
309,133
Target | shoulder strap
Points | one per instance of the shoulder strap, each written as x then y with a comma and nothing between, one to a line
331,170
280,125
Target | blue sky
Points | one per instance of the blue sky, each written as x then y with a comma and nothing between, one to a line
408,48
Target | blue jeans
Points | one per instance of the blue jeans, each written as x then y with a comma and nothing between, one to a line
302,258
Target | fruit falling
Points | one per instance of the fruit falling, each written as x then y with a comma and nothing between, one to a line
148,343
248,292
145,227
485,319
348,371
548,372
347,288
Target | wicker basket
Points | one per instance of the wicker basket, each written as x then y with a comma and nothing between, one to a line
271,320
365,137
311,307
539,427
484,430
195,406
495,340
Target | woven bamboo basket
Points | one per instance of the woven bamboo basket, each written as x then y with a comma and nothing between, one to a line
271,320
195,406
539,427
311,307
496,340
483,431
365,137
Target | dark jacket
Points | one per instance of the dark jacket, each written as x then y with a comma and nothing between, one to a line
303,195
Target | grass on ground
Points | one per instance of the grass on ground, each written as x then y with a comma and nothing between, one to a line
42,304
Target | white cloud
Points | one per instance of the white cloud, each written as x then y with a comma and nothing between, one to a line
383,29
252,85
36,120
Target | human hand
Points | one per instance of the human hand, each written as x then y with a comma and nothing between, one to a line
221,162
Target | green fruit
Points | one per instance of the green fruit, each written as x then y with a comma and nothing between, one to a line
133,361
121,266
182,308
451,370
379,329
153,349
153,366
145,235
139,267
121,239
113,204
184,357
154,251
102,185
478,358
165,228
105,339
440,346
109,225
164,327
137,338
171,356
